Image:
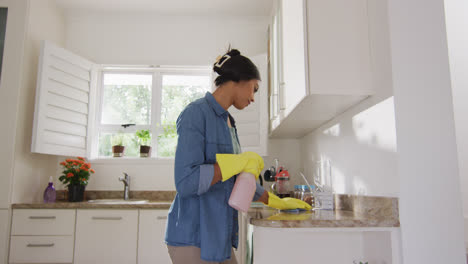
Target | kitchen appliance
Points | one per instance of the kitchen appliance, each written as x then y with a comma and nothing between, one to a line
281,184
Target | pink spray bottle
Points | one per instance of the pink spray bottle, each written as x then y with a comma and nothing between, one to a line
243,192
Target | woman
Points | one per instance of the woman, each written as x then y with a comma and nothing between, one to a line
201,226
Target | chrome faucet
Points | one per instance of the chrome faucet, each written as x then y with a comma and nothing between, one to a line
126,182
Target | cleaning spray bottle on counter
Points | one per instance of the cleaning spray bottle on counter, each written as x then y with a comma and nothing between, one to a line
243,192
49,193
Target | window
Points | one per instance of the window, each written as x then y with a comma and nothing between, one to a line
146,99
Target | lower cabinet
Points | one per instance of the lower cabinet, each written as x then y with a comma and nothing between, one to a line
151,246
88,236
326,245
106,236
42,236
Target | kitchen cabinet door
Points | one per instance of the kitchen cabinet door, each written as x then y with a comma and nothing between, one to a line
338,47
293,87
325,63
151,246
106,236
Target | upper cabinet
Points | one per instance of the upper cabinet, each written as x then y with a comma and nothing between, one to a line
323,63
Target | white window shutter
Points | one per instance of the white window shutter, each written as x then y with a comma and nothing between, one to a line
65,98
252,122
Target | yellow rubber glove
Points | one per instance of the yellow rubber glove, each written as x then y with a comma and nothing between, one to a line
286,203
233,164
254,165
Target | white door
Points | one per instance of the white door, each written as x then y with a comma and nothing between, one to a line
106,236
151,246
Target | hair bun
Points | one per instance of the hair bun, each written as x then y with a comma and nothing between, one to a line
218,70
233,53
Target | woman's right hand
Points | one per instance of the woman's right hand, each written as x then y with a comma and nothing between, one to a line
233,164
255,164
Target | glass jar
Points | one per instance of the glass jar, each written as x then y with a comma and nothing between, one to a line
297,191
305,194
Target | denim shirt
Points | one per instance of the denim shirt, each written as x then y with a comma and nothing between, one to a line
200,215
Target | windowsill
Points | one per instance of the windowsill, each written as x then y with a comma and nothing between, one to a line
131,160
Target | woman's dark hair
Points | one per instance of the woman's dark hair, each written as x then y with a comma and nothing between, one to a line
232,66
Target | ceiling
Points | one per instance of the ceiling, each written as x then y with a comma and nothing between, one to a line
173,7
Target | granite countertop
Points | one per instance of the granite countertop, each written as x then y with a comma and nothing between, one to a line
269,217
87,205
350,210
156,200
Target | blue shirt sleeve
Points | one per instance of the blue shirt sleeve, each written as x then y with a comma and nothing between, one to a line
192,176
258,192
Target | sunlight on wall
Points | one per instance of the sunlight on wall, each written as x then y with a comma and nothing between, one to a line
339,180
333,131
376,126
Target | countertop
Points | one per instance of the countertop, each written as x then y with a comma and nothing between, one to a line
351,210
87,205
269,217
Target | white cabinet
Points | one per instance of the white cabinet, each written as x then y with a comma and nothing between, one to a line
42,236
151,246
106,236
293,85
326,245
324,64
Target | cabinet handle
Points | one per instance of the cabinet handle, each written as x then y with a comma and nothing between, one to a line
41,245
161,217
42,217
106,218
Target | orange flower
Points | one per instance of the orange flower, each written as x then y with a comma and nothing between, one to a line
69,175
69,160
92,171
83,179
87,165
79,161
63,163
81,158
84,168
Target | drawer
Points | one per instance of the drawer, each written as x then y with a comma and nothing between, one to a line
43,222
41,249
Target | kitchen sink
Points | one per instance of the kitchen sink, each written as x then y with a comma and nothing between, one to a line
117,201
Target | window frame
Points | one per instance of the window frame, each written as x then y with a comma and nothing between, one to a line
157,73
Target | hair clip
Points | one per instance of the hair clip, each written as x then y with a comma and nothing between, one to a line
222,60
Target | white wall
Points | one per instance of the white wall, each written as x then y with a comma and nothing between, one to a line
361,143
162,40
4,226
32,171
457,36
430,201
9,91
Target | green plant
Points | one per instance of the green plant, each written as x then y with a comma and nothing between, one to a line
144,137
117,139
75,172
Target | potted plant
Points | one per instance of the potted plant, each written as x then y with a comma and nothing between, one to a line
117,145
144,139
75,176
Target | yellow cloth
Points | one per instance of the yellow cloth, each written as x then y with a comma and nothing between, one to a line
233,164
286,203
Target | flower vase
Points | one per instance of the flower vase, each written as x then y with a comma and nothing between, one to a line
76,193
